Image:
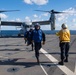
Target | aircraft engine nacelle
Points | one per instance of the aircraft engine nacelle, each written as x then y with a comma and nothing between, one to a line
0,21
52,27
52,24
26,25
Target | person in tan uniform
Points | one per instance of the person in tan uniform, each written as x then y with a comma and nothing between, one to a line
64,38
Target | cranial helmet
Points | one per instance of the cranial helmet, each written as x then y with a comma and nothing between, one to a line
64,26
37,24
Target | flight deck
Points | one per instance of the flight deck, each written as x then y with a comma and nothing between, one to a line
18,59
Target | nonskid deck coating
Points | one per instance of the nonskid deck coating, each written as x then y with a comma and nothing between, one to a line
17,59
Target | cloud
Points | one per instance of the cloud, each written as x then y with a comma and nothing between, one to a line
3,15
69,17
68,13
28,1
35,16
74,20
18,19
12,20
37,2
27,19
37,19
40,17
72,27
45,14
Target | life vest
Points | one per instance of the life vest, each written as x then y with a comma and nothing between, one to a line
37,35
64,35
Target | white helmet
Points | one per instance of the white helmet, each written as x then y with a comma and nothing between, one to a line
64,26
37,25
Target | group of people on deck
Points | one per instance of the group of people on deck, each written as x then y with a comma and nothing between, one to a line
36,37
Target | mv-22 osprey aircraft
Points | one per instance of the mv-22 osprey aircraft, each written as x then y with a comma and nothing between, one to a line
26,25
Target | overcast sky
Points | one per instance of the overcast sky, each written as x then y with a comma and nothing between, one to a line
27,12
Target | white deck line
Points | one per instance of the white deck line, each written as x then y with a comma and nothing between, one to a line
66,70
43,69
75,67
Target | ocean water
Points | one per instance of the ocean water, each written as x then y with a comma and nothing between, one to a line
9,32
73,32
16,32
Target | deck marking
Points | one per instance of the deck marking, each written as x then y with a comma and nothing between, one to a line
66,70
75,67
43,69
3,57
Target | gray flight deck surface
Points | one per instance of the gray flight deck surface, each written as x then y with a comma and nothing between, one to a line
17,59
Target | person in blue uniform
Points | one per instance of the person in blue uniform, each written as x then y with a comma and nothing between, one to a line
37,37
27,37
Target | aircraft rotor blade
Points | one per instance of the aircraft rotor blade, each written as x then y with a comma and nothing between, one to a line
42,11
56,12
8,10
52,11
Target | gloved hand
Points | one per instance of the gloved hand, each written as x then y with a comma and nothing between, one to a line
32,41
43,42
25,38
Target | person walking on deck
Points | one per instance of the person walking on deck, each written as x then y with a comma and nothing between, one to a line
64,41
37,37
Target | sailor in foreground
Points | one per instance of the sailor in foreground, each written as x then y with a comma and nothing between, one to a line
37,37
64,39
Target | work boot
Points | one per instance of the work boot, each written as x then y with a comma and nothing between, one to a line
66,60
61,63
38,60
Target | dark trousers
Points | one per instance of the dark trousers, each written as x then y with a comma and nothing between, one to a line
64,47
30,43
37,48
